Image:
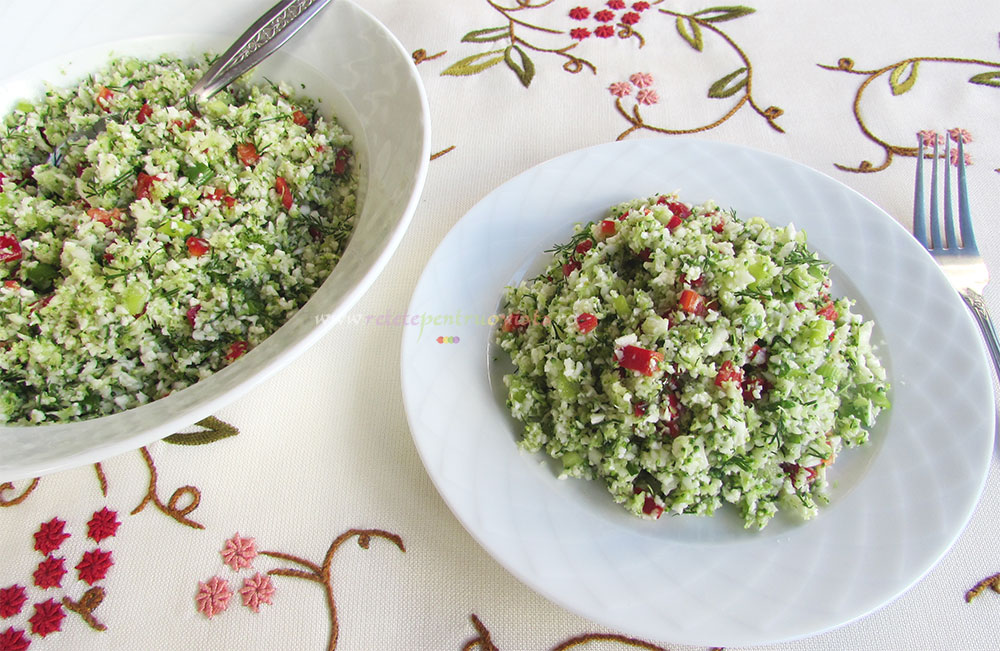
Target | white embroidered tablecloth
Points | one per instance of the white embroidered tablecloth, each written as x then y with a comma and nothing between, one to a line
306,500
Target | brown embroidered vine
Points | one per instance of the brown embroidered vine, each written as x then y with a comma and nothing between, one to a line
586,638
102,479
14,501
442,152
90,600
170,508
419,56
902,77
515,54
484,641
321,574
740,81
992,582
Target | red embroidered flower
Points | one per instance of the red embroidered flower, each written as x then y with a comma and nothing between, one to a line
579,33
640,6
604,16
50,536
620,88
13,640
604,31
94,566
579,13
47,618
641,79
213,596
257,590
239,552
50,573
12,600
631,18
647,96
616,4
103,525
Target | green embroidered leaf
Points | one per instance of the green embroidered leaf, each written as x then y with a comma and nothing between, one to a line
729,85
722,14
525,71
987,79
212,430
487,35
900,84
691,33
474,64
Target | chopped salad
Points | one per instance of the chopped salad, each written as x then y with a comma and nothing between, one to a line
688,359
166,246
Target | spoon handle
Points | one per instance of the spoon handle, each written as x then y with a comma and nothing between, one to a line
256,44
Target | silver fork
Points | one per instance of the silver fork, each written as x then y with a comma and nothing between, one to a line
959,259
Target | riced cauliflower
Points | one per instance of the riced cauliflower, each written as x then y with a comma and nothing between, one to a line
688,359
166,246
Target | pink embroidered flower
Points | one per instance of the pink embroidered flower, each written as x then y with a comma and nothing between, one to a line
616,4
257,590
647,96
579,33
239,552
954,157
94,566
960,133
213,597
12,600
640,6
579,13
47,618
604,31
631,18
103,525
641,79
50,536
604,16
13,640
929,137
50,573
620,88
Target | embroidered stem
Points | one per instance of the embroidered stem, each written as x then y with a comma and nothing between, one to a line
419,56
170,508
770,114
322,574
587,638
890,150
573,64
101,478
8,486
992,582
90,600
482,641
442,152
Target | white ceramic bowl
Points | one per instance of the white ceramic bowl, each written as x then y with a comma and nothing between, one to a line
345,57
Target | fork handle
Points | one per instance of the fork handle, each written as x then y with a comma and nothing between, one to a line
978,307
256,44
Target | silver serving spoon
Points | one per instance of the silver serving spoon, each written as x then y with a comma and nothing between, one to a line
260,41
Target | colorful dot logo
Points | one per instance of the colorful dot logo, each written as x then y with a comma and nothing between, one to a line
448,340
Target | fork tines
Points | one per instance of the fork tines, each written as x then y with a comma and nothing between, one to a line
920,220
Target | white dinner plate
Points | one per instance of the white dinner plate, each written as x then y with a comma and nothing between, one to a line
897,506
